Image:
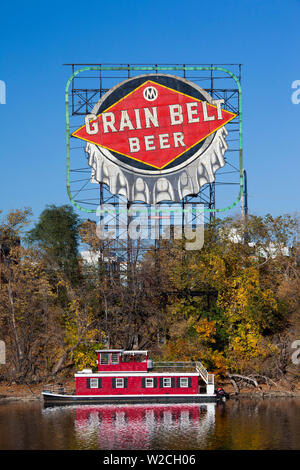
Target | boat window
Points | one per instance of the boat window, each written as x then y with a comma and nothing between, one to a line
149,382
119,383
93,383
184,382
104,358
114,358
139,357
127,358
167,382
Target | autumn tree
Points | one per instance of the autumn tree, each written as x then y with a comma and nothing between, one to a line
125,282
43,335
228,302
26,302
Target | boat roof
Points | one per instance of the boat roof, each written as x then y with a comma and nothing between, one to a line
109,350
133,351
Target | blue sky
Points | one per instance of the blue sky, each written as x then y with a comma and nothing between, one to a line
36,38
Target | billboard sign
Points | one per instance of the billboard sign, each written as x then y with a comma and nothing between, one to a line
155,138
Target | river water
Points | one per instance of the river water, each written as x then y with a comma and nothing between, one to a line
238,424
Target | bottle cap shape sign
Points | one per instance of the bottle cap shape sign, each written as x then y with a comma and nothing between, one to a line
155,138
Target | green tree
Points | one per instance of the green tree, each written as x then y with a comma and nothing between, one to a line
56,233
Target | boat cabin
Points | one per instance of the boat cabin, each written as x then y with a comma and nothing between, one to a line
120,360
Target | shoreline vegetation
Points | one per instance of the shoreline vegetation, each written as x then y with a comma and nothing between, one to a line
234,305
17,392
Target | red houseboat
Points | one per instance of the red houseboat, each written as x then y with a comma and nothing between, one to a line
130,377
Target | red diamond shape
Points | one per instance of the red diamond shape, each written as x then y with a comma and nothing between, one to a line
154,128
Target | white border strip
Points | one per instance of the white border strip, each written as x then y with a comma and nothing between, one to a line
163,395
136,374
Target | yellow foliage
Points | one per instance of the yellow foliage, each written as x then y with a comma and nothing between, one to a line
206,330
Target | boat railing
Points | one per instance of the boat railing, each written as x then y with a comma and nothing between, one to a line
174,365
202,371
58,389
185,367
210,379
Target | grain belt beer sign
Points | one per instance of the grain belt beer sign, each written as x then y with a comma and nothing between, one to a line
155,138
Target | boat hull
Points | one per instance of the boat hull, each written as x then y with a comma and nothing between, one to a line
60,399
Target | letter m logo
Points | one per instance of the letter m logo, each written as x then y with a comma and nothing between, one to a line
150,93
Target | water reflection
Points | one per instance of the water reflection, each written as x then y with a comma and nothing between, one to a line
144,426
239,424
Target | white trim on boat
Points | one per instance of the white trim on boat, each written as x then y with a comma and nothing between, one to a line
162,395
136,374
